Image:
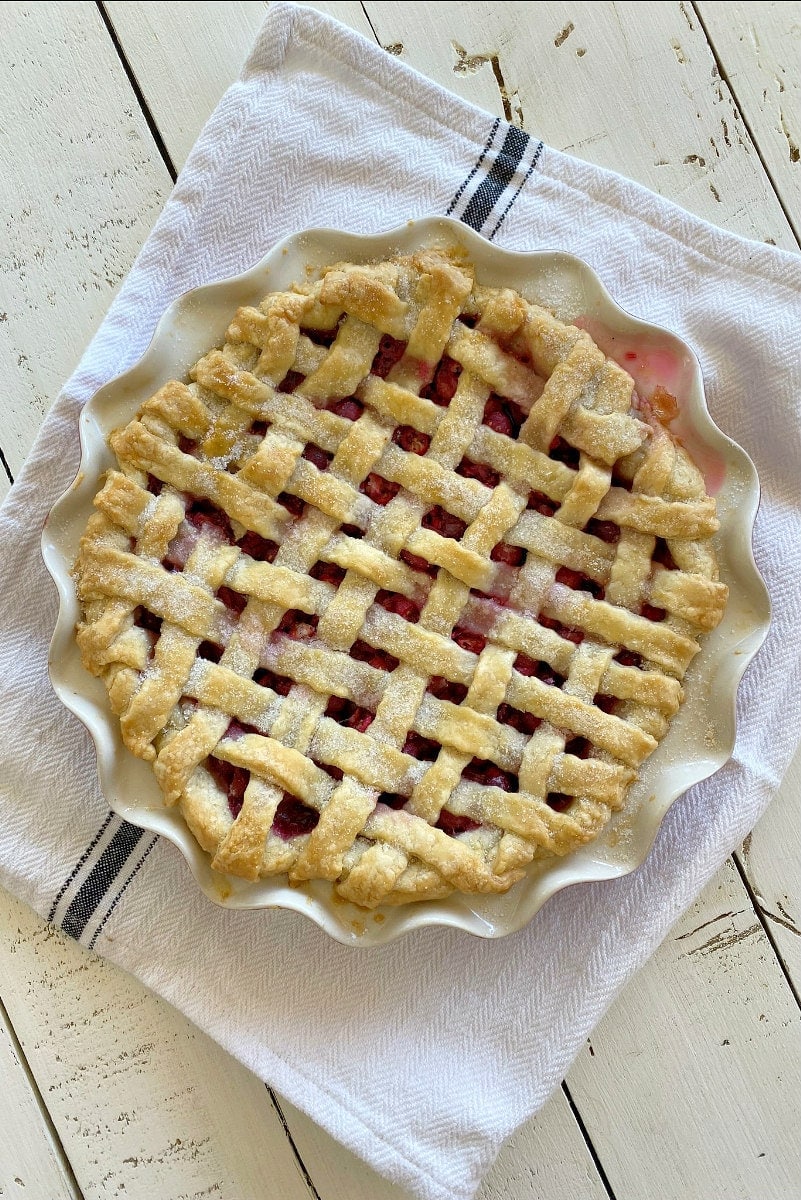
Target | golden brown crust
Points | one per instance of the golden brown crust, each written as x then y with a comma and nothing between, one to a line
156,582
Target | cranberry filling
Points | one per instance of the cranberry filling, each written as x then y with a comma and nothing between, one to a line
144,619
350,408
490,774
211,651
379,490
316,455
531,668
205,515
328,573
523,722
468,640
513,556
281,684
663,556
321,337
653,614
579,582
628,658
442,387
290,382
539,502
559,801
353,531
259,428
443,689
504,416
234,601
619,481
420,747
392,799
364,652
293,504
607,531
258,547
479,471
402,605
419,564
411,439
334,772
607,704
293,818
231,780
344,712
453,824
154,485
468,319
566,631
300,626
186,445
579,747
237,730
562,451
444,523
390,352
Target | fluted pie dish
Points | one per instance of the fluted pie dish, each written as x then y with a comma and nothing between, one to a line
382,575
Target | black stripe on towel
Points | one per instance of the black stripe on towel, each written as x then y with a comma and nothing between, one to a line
100,878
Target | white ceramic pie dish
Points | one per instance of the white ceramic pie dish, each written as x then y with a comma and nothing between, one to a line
702,735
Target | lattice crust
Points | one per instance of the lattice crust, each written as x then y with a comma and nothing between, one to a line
398,592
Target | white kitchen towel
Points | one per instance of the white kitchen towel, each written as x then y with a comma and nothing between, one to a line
422,1056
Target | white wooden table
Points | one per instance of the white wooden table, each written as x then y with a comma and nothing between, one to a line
688,1088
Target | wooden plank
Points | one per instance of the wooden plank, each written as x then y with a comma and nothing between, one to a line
758,46
80,187
143,1102
594,79
771,859
214,37
694,1076
31,1160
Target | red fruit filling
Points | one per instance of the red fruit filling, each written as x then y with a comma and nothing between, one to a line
663,556
211,651
562,451
206,516
479,471
231,780
258,547
579,747
523,722
402,605
504,416
154,485
392,799
234,601
315,454
300,626
293,504
490,774
293,818
539,502
513,556
380,490
411,439
442,387
619,481
421,747
186,445
559,801
350,408
237,730
453,823
419,564
579,582
279,683
259,428
290,382
468,639
628,658
390,352
145,619
653,614
468,319
334,772
328,573
531,668
444,523
344,712
607,531
443,689
353,531
566,631
606,704
380,659
321,337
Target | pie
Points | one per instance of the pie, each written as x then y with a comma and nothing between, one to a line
399,590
